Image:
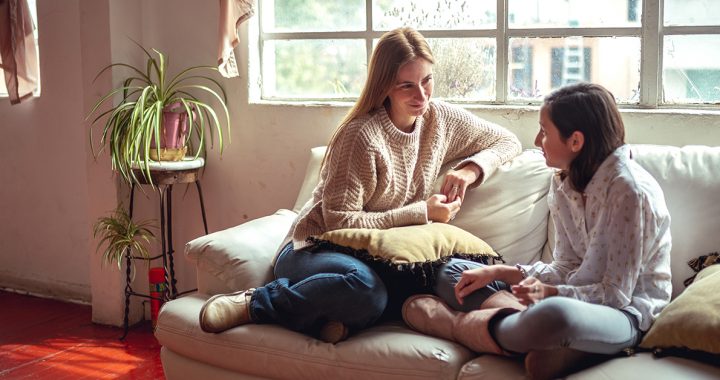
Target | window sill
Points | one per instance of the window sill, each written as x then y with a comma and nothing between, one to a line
514,108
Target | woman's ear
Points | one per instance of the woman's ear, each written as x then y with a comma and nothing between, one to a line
577,141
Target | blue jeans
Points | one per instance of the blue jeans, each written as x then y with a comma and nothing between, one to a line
312,288
449,275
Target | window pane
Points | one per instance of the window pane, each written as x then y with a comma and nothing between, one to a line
574,13
434,14
313,15
692,12
537,66
691,69
313,68
464,68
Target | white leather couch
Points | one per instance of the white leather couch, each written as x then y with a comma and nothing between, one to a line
509,211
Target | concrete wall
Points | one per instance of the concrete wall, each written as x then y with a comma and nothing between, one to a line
53,190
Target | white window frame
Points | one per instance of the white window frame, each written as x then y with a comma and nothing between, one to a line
651,33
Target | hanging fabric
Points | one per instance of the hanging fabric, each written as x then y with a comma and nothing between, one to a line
232,14
18,50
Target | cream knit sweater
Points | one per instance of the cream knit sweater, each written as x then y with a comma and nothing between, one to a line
380,177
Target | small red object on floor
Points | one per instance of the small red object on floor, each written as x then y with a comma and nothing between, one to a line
157,292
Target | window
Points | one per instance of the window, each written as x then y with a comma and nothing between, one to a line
33,13
498,51
691,52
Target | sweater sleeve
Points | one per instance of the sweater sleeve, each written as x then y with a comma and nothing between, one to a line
350,180
476,140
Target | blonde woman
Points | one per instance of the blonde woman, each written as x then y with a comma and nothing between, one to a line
378,172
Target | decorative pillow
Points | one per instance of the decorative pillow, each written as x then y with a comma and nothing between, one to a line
419,249
692,321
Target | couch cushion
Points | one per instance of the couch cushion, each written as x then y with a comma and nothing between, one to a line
381,352
639,366
692,320
509,211
239,257
691,184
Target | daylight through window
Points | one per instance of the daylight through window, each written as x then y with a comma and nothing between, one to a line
499,51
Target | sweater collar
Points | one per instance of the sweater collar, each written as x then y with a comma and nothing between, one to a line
396,134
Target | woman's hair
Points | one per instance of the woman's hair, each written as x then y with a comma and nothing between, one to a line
590,109
394,49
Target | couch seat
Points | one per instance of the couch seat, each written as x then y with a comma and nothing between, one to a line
386,351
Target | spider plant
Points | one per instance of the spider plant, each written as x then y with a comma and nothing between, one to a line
132,127
123,236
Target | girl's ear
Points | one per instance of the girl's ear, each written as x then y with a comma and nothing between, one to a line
577,141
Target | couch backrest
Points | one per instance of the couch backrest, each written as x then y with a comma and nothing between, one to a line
312,177
690,179
509,210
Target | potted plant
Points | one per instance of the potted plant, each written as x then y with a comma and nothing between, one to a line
154,109
123,236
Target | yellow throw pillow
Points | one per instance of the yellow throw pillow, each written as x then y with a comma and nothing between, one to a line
692,320
418,249
412,244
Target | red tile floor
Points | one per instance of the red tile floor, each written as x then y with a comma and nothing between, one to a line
47,339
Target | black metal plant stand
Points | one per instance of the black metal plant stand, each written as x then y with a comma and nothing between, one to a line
163,178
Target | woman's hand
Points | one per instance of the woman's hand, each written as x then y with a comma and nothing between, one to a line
532,290
457,181
472,280
440,210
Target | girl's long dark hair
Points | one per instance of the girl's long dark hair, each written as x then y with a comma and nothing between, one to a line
590,109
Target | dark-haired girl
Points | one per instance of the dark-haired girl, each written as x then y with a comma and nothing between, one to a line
610,273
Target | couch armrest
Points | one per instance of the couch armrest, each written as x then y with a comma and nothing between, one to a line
239,257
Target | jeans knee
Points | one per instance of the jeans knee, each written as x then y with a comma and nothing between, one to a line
369,290
448,276
553,315
445,285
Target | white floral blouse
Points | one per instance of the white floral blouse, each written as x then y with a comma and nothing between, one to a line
613,248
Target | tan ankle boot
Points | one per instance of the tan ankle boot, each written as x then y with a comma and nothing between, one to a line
432,316
225,311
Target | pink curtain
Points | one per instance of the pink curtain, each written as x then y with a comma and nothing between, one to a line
232,14
18,53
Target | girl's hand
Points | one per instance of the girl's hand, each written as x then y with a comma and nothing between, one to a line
440,210
472,280
457,181
532,290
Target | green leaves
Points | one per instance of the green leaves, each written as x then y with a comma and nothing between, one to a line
129,127
121,236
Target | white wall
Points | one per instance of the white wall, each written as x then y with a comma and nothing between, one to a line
44,205
53,190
